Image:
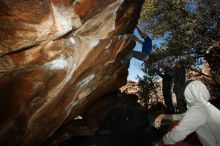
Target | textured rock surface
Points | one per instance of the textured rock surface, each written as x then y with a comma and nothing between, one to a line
56,58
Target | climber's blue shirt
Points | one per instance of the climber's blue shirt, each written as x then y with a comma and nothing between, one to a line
147,46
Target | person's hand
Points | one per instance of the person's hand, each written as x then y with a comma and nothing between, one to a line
141,33
158,143
158,120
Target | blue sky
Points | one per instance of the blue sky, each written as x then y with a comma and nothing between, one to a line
135,64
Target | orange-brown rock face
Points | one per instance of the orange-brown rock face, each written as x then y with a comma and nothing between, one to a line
57,57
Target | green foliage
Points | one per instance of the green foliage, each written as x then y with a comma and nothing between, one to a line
147,85
190,34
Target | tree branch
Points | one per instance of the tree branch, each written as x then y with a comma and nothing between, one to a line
201,73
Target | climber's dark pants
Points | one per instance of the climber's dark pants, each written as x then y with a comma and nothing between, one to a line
181,102
139,55
168,101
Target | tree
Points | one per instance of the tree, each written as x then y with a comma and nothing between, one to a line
190,30
147,86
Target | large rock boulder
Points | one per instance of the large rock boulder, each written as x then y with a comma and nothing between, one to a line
56,58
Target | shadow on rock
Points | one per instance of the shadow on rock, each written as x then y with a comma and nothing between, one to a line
126,125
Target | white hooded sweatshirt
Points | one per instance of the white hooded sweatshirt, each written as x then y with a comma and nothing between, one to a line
201,117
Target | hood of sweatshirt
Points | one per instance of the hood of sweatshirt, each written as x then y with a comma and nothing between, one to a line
196,93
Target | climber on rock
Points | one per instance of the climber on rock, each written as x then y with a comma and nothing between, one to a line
146,47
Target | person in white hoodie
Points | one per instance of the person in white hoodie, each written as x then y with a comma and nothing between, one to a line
201,117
